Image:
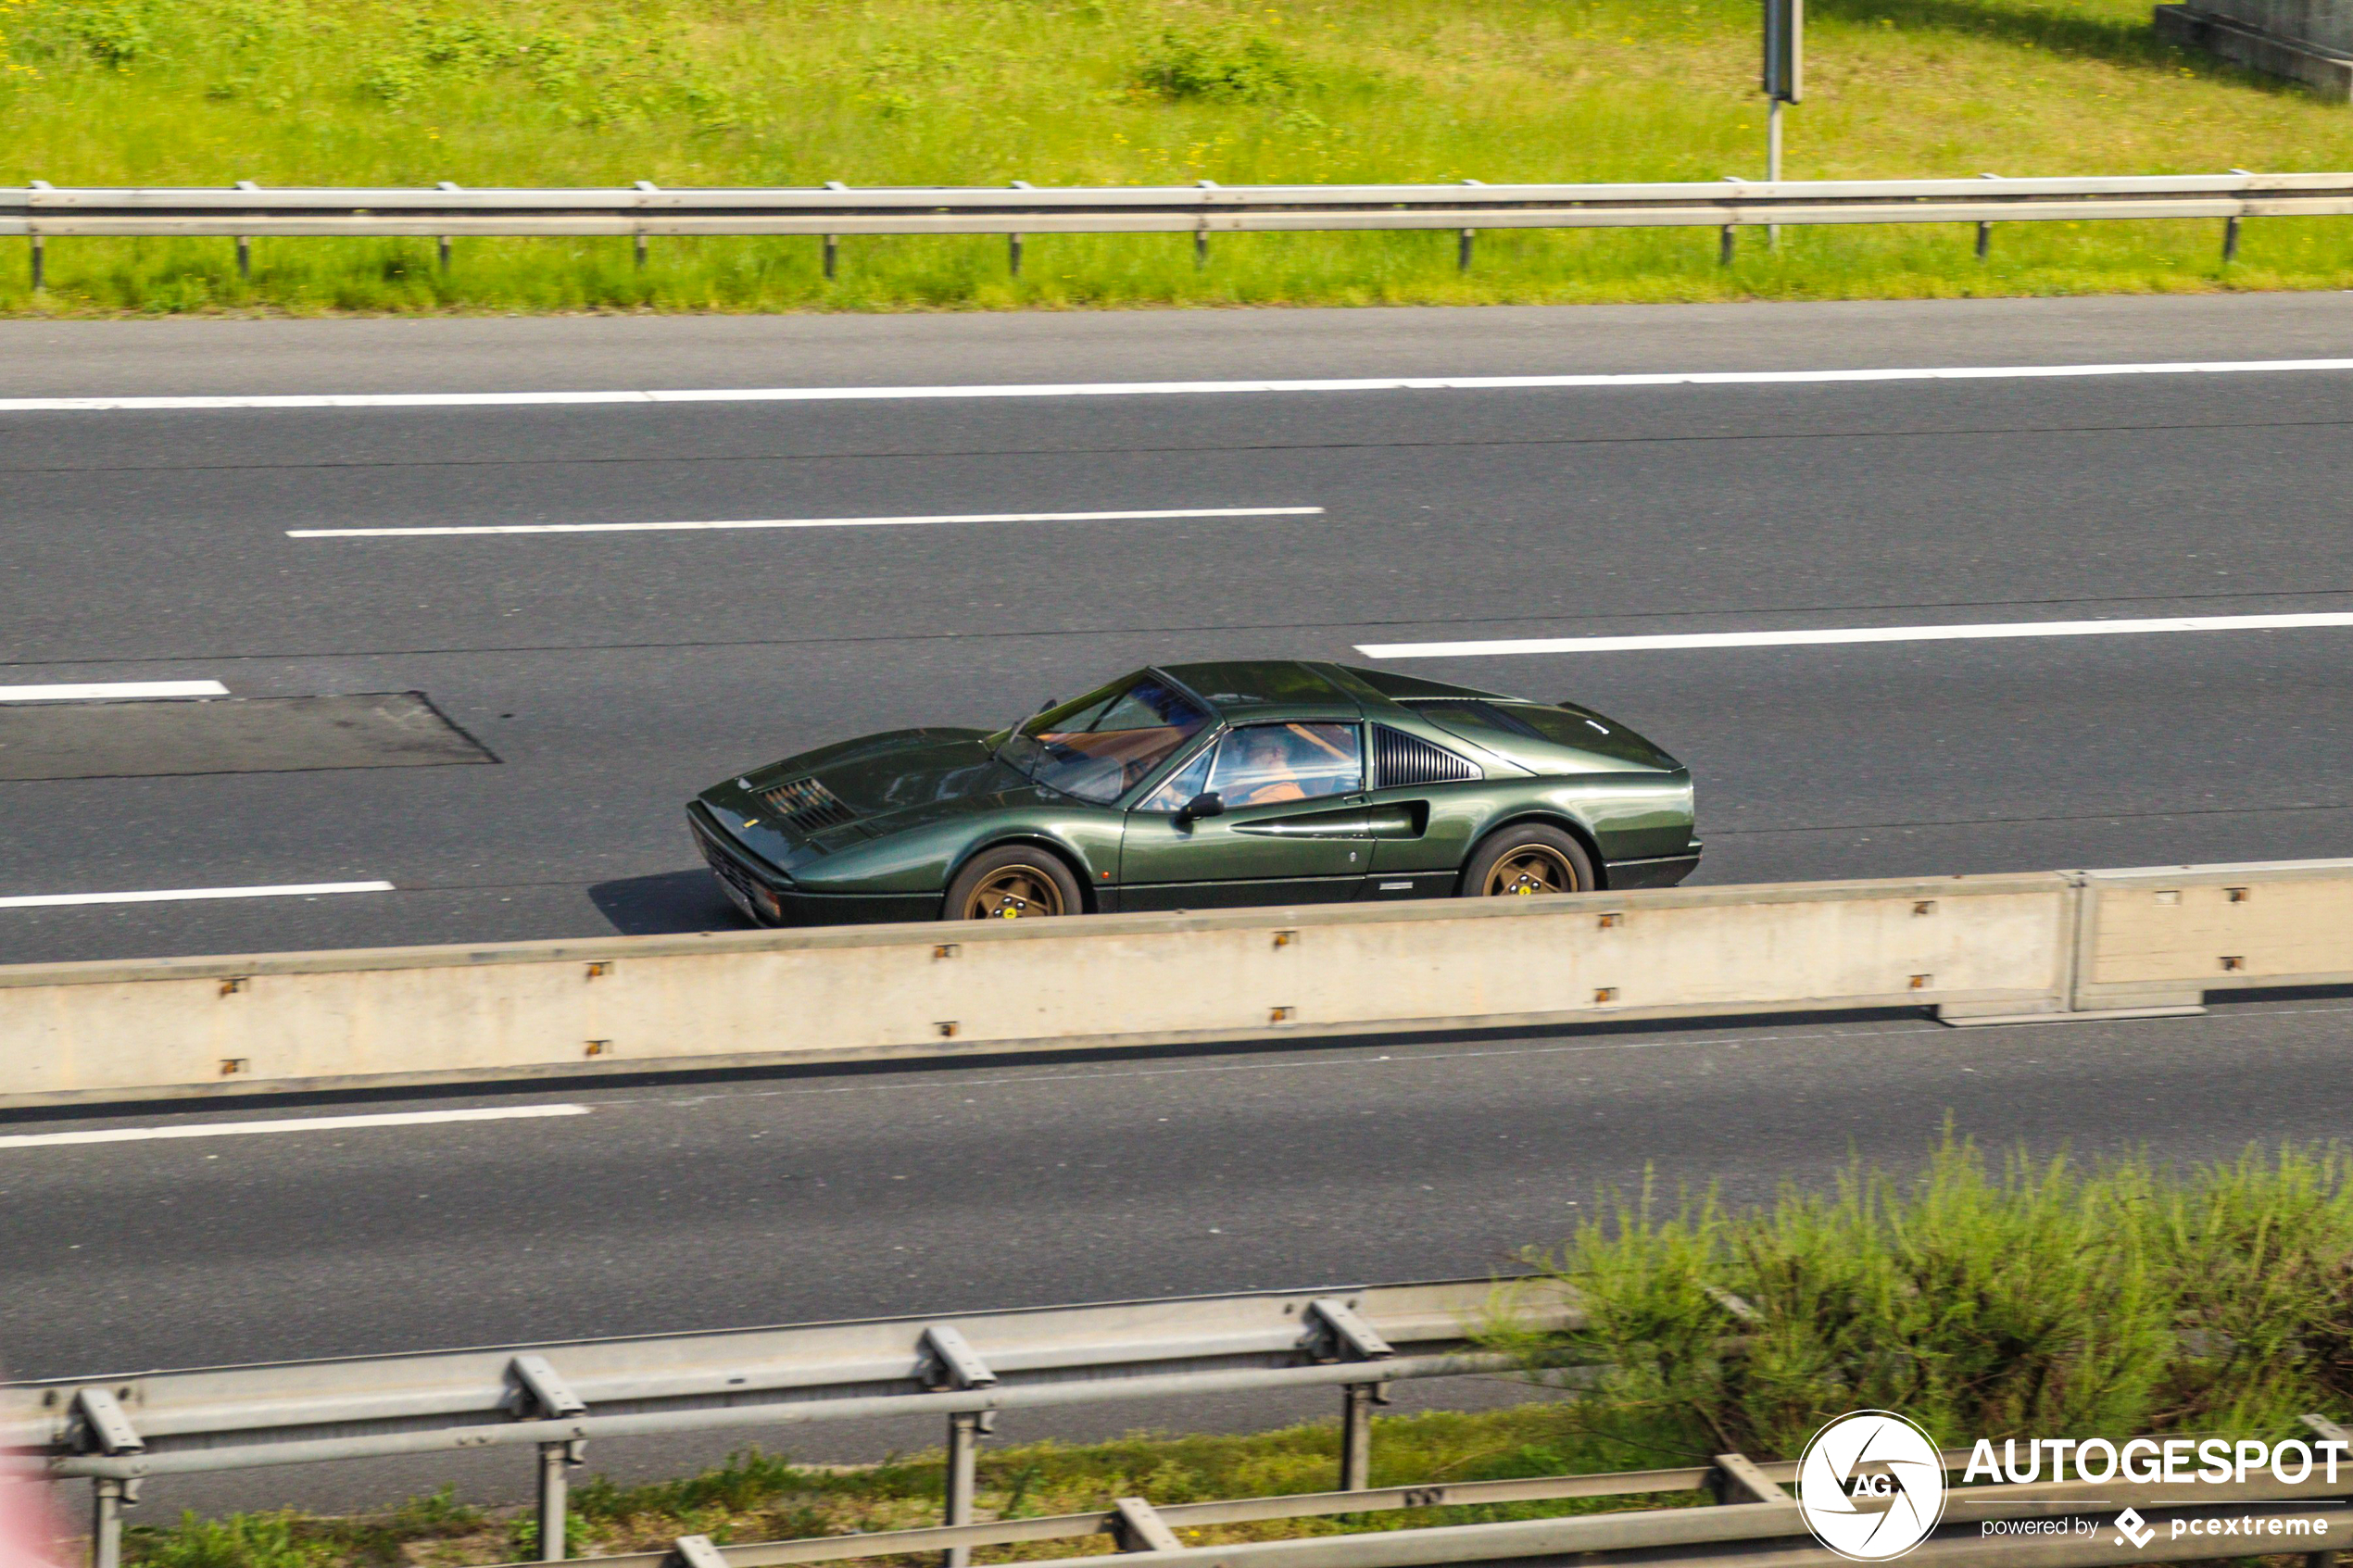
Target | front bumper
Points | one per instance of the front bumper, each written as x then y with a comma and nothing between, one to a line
767,897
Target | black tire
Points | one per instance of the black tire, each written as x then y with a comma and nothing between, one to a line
1526,859
1012,881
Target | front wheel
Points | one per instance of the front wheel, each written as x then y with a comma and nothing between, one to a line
1016,882
1526,859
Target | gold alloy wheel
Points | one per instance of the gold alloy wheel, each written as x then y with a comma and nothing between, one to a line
1529,869
1012,893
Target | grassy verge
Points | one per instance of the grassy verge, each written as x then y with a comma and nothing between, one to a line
978,92
2032,1300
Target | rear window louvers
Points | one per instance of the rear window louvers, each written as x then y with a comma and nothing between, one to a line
1406,759
806,807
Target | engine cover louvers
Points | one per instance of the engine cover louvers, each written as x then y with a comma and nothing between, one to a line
805,806
1406,759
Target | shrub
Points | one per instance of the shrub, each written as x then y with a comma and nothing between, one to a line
2037,1301
1221,64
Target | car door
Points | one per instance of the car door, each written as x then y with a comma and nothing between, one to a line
1293,831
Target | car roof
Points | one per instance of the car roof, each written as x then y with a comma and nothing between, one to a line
1265,688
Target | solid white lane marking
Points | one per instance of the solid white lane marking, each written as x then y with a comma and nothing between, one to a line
165,895
1151,389
1990,630
117,690
301,1125
798,522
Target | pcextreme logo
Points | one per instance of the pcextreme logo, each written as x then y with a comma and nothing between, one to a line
1870,1486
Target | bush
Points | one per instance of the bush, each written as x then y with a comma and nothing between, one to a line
2040,1301
1219,65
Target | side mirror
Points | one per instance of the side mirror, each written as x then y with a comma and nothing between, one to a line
1207,804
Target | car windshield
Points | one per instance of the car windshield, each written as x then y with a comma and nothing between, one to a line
1102,745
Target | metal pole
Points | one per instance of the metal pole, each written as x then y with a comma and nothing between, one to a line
1724,247
1463,252
1985,231
441,242
555,1498
244,242
1356,1436
643,185
1773,161
107,1502
2231,248
1012,249
40,278
963,1450
1200,247
833,254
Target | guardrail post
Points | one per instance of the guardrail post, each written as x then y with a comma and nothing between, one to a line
833,241
244,242
1985,231
110,1496
441,242
965,1429
1724,242
640,236
1463,252
40,246
1012,242
555,1496
1736,1479
2230,240
541,1392
1358,1401
1201,234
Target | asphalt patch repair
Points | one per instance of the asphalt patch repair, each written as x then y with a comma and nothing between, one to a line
116,740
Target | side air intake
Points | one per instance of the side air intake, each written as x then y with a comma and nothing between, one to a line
1406,759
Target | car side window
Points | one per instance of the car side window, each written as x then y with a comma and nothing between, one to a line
1180,786
1268,764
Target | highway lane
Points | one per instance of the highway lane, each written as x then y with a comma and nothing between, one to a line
676,1206
612,674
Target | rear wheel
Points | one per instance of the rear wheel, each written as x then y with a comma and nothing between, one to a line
1017,881
1524,859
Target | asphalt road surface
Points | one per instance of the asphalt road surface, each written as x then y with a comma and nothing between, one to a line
611,674
672,1206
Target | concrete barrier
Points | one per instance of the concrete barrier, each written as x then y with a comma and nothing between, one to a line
2160,936
2035,946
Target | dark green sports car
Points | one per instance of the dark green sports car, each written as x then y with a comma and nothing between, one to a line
1199,785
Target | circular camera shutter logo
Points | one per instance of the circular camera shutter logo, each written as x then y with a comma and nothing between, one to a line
1870,1486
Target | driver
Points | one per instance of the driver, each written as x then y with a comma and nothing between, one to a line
1265,773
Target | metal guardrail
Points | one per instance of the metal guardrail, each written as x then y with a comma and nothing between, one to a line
1754,1525
247,211
118,1430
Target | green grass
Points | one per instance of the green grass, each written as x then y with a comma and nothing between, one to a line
1060,92
2032,1300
